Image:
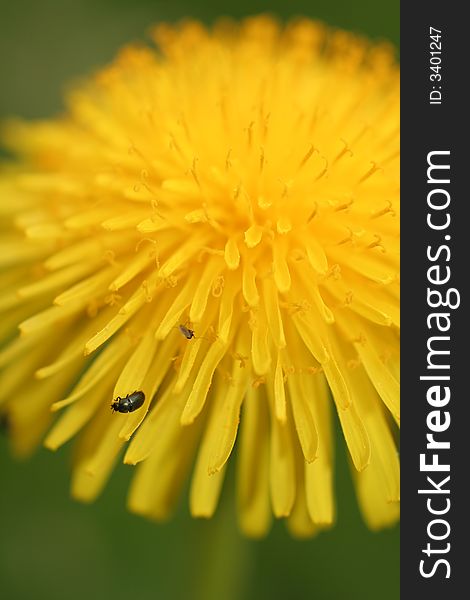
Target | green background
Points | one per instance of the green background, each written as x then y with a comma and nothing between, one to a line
54,548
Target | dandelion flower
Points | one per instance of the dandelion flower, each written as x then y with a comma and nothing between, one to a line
215,224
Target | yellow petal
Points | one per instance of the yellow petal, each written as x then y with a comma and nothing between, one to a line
253,467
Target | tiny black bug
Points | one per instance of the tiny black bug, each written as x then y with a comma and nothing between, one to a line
188,333
128,404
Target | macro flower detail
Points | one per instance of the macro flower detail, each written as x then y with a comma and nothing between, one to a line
210,233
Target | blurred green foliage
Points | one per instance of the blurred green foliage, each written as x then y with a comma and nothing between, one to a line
44,44
56,549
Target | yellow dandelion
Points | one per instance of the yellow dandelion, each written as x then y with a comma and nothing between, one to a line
208,241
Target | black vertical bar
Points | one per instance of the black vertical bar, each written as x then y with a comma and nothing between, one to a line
428,127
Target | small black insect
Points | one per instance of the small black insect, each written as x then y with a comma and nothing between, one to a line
188,333
128,404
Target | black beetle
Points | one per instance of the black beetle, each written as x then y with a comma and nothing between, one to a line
128,404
